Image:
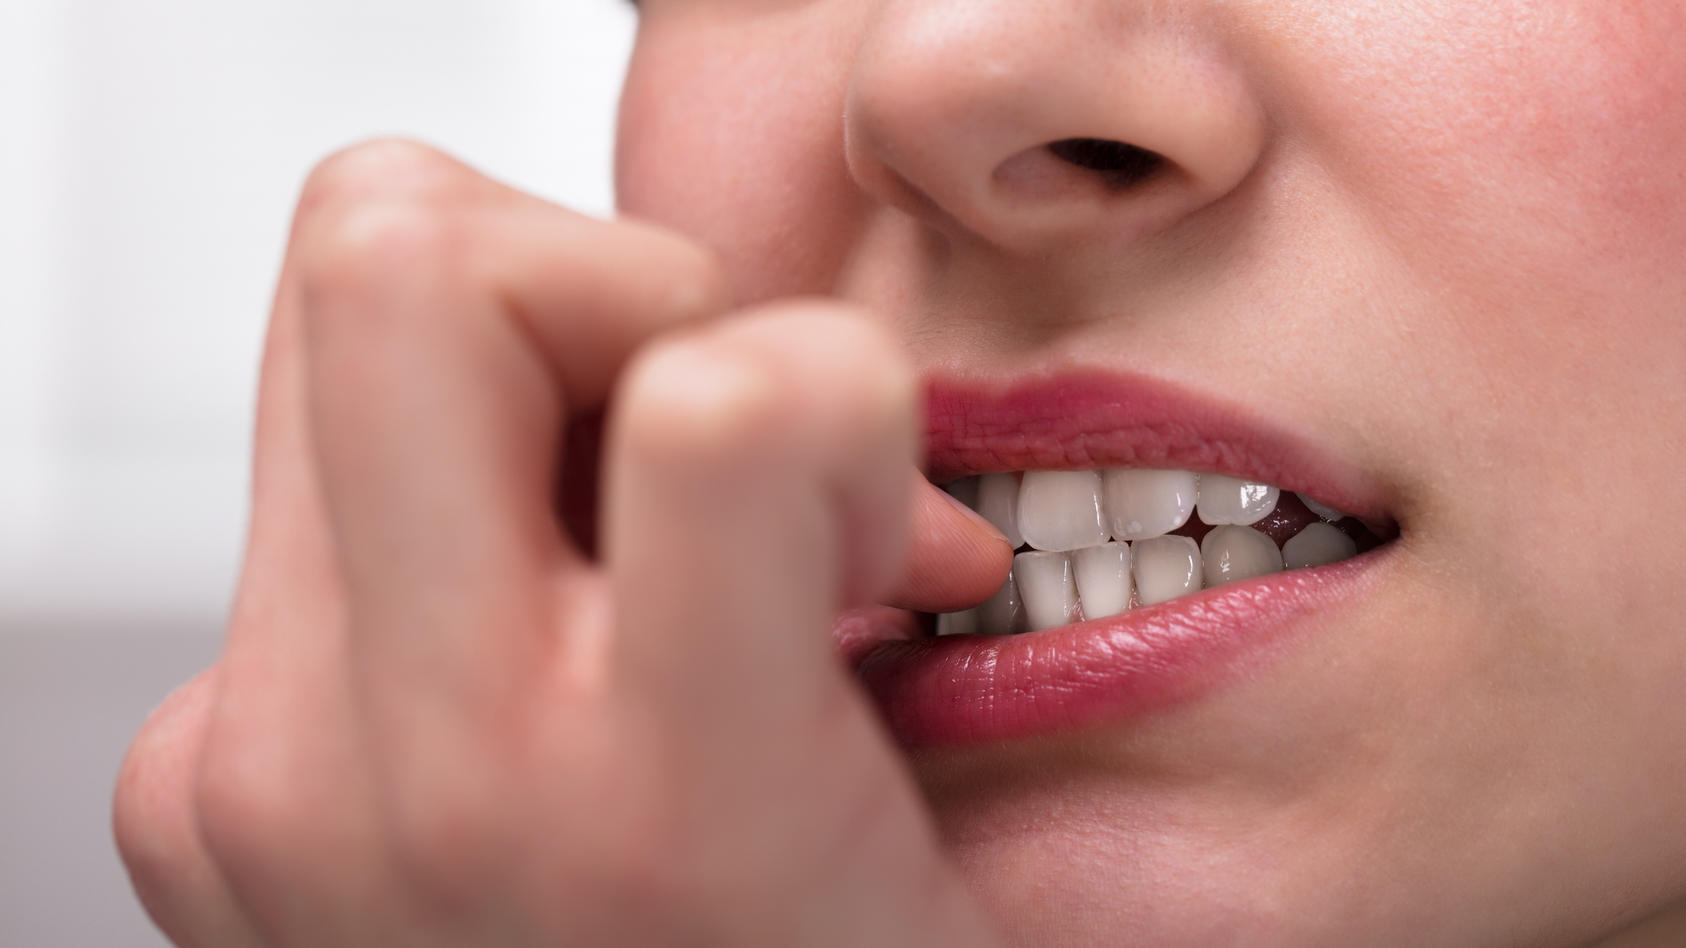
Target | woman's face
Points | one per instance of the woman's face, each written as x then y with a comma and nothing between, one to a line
1439,245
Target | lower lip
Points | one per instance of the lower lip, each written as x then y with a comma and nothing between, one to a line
968,689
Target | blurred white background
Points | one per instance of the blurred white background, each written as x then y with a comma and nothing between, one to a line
149,157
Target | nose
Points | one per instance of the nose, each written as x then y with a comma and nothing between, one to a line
1033,125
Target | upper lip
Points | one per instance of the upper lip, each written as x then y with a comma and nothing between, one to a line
1093,419
940,690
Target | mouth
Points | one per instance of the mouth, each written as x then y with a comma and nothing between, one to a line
1165,544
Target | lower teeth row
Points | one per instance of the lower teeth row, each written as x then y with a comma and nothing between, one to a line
1048,589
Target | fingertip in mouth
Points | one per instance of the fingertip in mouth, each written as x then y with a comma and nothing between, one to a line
1159,538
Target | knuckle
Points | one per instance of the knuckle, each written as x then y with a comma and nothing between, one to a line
147,840
792,381
364,252
852,384
151,805
841,362
688,402
249,815
379,217
382,168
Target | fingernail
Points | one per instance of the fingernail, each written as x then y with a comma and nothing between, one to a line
973,516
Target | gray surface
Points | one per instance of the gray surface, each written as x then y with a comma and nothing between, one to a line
71,695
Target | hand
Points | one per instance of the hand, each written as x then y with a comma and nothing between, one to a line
437,720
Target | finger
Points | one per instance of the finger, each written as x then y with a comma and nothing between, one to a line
156,826
757,482
284,788
956,559
452,325
278,739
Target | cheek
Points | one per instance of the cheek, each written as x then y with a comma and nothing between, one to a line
1465,120
1519,165
731,132
1518,194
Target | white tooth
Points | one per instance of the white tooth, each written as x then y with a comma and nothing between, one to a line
1322,510
1061,510
1165,567
957,623
964,490
1316,545
1001,614
998,501
1144,503
1103,579
1234,553
1045,582
1233,500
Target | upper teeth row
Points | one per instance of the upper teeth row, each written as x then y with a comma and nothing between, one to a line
1060,511
1099,543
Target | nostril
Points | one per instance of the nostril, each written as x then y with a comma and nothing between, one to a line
1121,165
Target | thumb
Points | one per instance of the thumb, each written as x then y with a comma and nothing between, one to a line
955,560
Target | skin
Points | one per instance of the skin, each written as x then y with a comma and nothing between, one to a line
1439,240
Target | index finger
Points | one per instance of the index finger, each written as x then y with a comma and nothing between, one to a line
449,327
